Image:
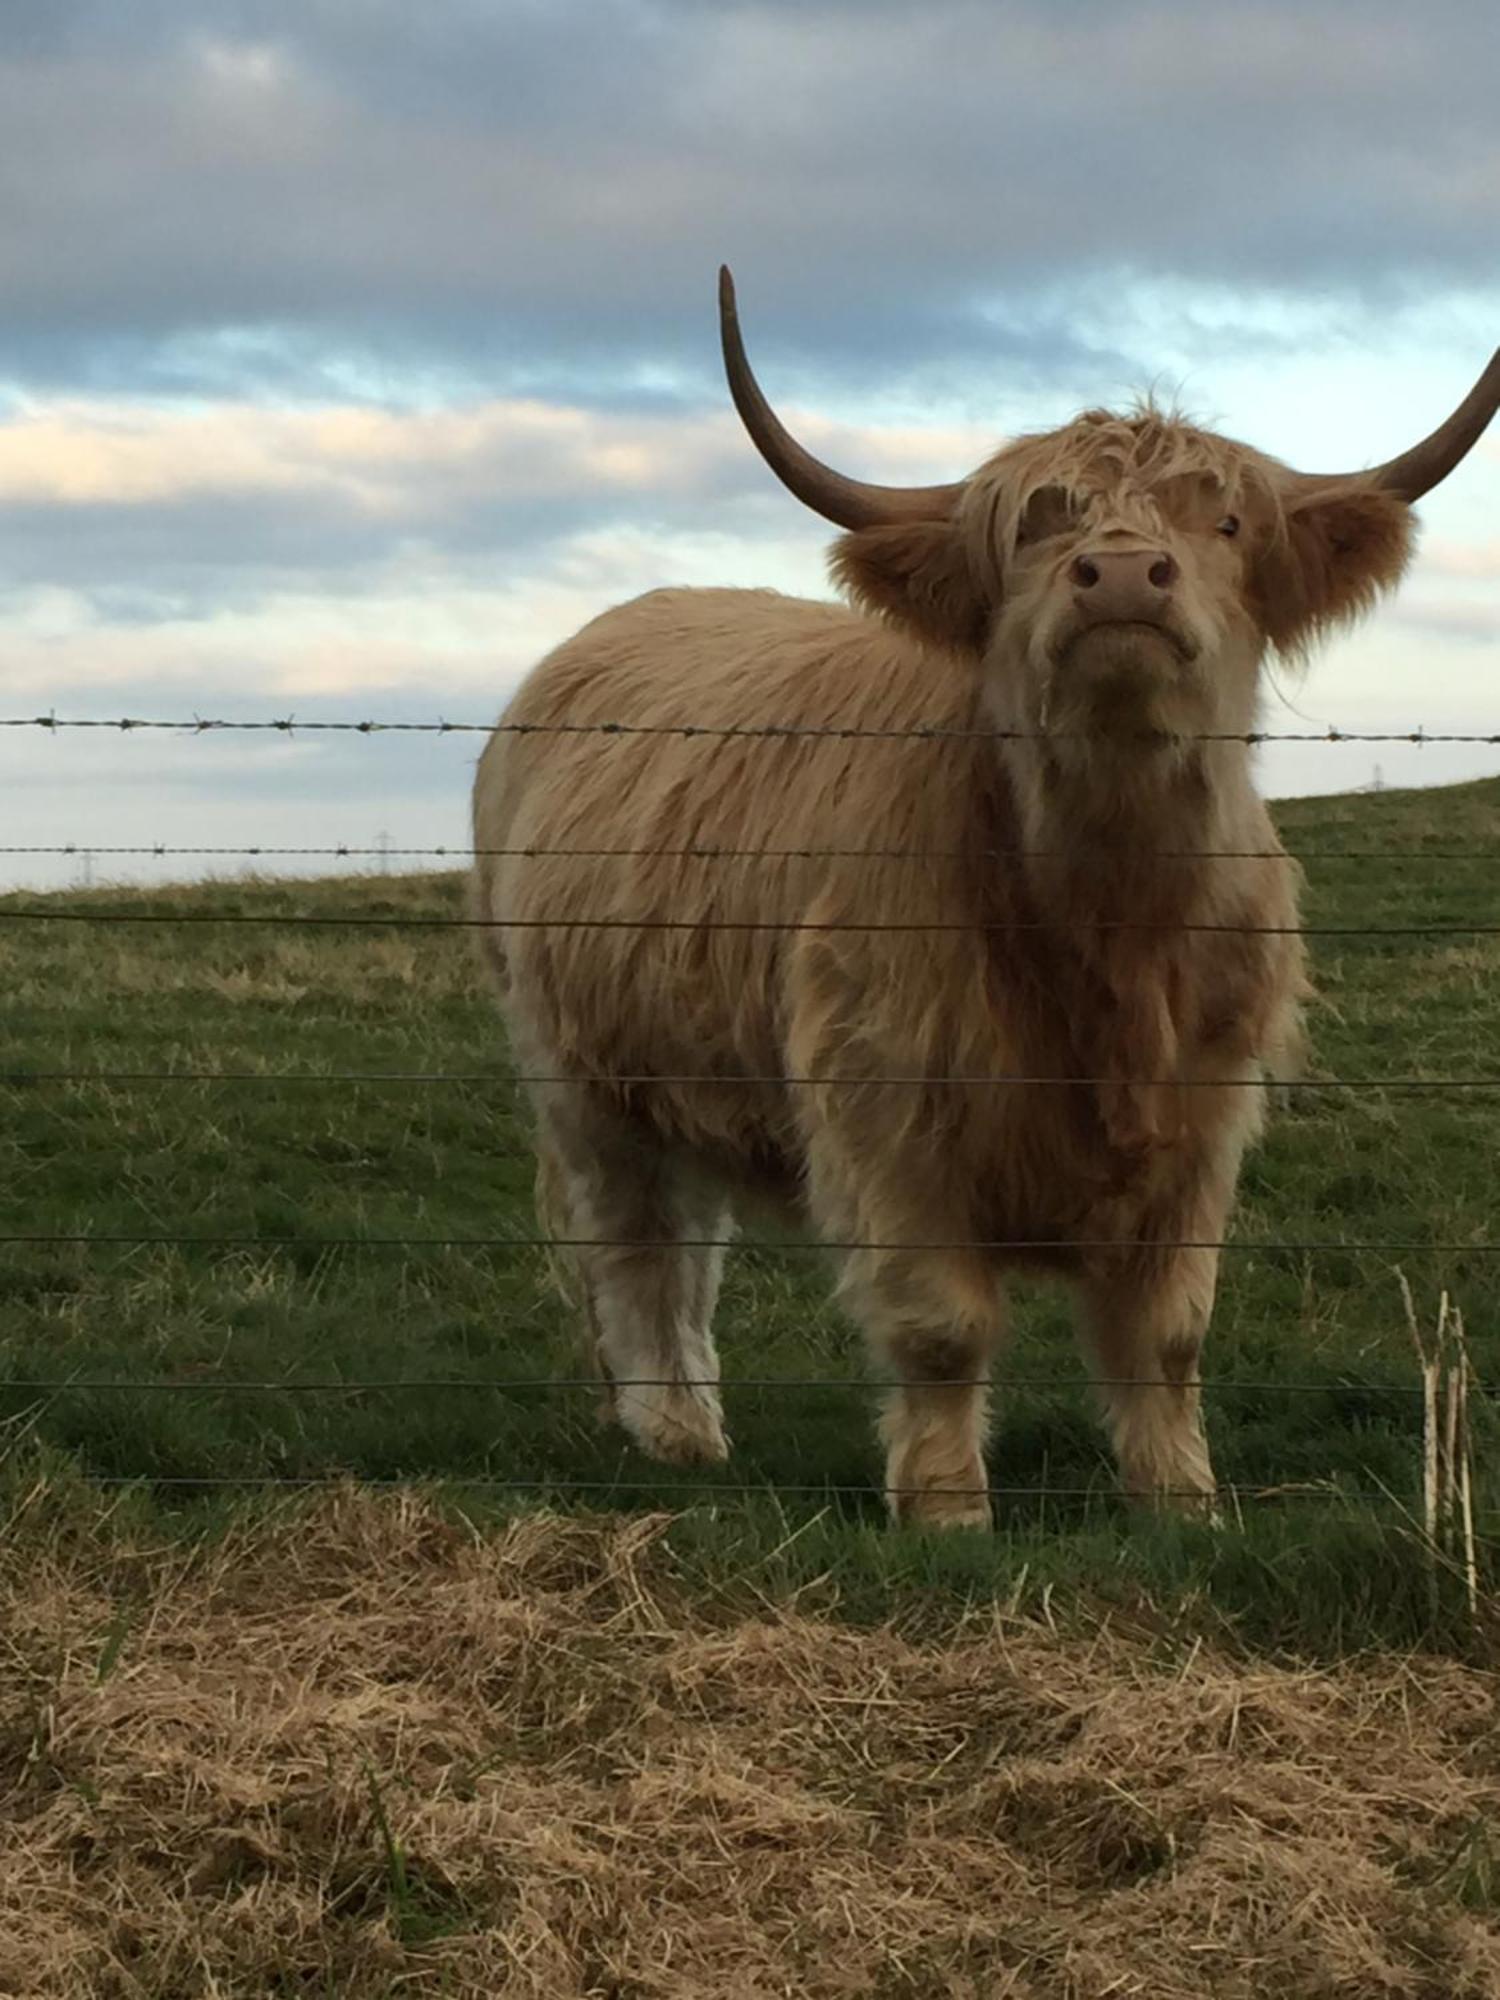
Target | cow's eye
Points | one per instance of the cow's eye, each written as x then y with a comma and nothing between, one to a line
1230,525
1048,511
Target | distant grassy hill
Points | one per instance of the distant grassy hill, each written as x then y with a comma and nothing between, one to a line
1310,1362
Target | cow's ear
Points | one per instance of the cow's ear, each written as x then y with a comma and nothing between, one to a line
1340,550
917,575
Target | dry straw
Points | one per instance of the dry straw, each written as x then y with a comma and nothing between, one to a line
355,1748
1447,1444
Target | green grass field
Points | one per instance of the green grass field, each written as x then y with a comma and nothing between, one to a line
1310,1366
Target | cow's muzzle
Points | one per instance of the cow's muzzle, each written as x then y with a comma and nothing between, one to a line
1123,586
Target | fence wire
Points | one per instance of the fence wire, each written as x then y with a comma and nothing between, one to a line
562,1384
667,1492
1021,1245
626,1079
345,919
527,1386
289,725
346,851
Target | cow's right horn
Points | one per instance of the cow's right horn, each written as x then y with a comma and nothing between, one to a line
848,503
1417,471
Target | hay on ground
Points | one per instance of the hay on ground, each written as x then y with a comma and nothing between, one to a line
362,1751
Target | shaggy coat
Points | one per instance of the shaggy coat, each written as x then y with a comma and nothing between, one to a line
990,983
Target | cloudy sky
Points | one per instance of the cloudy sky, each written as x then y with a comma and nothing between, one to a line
353,353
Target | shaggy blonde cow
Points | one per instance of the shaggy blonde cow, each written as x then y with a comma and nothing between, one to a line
981,966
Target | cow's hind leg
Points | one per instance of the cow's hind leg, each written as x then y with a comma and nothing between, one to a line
1145,1315
645,1283
933,1320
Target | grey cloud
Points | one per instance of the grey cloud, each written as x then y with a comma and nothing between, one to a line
188,559
544,185
207,570
200,513
207,552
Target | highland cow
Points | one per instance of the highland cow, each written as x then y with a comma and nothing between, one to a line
981,966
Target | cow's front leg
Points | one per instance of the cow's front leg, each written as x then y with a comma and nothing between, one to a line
1145,1313
932,1319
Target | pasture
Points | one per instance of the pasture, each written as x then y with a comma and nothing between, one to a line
432,1731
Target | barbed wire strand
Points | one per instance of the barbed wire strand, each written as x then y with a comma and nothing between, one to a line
290,725
167,1239
733,1384
364,921
483,1079
1238,1493
158,850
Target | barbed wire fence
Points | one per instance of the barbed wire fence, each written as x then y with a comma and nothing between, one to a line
384,851
291,725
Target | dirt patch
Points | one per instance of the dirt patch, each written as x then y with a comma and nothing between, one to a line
360,1751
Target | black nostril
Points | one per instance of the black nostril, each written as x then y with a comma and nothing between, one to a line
1085,573
1162,573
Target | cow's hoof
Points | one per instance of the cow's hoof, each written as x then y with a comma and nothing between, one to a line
935,1508
1185,1504
675,1425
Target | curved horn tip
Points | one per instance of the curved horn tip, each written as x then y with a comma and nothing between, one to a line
729,313
848,503
1416,472
1413,474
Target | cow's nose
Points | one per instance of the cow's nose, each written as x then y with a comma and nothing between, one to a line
1123,583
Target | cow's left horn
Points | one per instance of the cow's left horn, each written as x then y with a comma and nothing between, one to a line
1417,471
848,503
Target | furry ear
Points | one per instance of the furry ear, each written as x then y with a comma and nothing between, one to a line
917,574
1340,550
